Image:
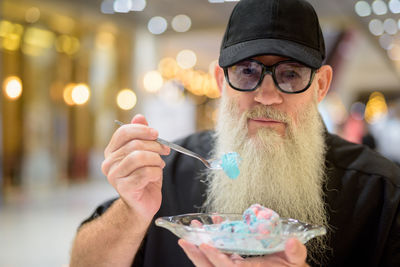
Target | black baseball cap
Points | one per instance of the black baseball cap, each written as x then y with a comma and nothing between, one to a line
288,28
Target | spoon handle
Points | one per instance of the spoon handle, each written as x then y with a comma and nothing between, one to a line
177,148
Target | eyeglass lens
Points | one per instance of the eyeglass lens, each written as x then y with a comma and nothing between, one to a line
288,76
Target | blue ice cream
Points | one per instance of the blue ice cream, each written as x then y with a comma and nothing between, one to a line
230,164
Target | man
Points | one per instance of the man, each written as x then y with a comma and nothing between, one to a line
271,78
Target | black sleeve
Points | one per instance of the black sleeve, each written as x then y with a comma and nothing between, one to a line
392,249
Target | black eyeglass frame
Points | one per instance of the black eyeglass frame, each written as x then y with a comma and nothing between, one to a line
270,70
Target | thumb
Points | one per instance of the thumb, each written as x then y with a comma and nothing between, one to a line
139,119
295,252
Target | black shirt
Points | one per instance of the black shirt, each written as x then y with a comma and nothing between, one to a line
362,194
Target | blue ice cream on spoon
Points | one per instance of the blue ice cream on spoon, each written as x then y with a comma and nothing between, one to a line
230,164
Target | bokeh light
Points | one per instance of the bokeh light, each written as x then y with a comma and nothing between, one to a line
168,67
107,7
376,108
32,15
80,94
376,27
157,25
138,5
122,6
126,99
152,81
362,9
394,52
385,41
379,7
186,59
67,94
394,6
67,44
390,26
181,23
12,87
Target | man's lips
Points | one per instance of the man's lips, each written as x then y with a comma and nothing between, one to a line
265,120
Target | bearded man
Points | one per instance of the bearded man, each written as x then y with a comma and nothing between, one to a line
271,78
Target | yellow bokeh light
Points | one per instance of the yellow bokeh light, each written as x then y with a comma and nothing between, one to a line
11,34
153,81
126,99
168,68
80,94
196,85
67,44
376,108
67,94
37,40
12,87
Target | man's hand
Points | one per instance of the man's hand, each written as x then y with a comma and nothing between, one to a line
133,166
207,256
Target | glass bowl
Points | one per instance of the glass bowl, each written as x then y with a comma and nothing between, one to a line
189,227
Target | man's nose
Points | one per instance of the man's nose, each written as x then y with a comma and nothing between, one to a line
267,93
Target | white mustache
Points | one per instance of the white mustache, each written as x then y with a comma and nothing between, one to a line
267,113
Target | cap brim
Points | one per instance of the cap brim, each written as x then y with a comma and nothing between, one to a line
237,52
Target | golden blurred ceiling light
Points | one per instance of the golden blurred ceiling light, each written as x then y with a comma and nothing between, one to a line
126,99
67,44
37,40
152,81
12,86
32,14
185,76
11,33
168,68
80,94
67,94
196,84
39,37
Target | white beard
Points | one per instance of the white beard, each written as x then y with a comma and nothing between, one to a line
284,173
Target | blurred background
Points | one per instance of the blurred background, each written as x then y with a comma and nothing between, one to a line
69,68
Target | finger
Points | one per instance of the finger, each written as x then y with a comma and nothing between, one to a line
196,223
295,252
140,119
216,257
129,132
194,254
136,160
236,257
134,145
138,180
217,219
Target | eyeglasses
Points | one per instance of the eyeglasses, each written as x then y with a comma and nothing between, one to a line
289,76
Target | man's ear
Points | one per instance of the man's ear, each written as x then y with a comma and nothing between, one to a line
324,79
219,77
